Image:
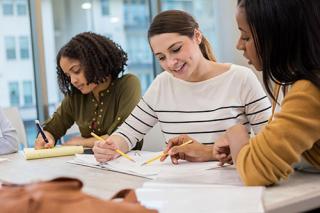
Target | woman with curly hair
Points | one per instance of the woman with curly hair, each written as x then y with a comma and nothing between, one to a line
97,97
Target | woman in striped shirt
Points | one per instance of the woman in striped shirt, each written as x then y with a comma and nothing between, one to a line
194,96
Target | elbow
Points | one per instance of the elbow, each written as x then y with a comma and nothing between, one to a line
263,176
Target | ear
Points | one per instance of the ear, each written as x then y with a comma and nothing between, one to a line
197,36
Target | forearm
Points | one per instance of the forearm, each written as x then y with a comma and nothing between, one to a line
8,145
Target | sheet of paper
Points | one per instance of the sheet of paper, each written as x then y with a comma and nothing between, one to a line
226,175
152,170
31,153
3,159
201,198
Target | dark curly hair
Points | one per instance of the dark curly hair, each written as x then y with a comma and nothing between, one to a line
99,56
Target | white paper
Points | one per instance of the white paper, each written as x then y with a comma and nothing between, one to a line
3,159
151,171
167,198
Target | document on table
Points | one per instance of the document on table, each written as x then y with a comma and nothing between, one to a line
31,153
3,159
151,171
171,197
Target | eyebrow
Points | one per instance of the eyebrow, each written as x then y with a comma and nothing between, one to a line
178,42
242,30
71,68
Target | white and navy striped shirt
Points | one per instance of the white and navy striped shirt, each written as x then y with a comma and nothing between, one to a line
203,110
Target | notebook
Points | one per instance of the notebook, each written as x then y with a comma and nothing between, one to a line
150,171
31,153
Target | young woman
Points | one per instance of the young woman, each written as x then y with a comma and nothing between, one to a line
97,98
9,142
194,96
281,38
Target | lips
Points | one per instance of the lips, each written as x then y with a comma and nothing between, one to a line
80,87
179,69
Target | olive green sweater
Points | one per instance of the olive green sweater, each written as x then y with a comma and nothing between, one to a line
101,117
292,133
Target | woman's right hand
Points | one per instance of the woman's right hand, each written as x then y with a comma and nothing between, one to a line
40,142
194,152
106,150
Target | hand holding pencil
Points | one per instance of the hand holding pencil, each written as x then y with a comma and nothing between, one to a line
193,152
107,150
164,154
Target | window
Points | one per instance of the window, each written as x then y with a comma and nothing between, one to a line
15,43
136,14
24,47
105,8
22,8
14,93
10,46
7,8
27,93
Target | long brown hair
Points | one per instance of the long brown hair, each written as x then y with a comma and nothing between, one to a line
177,21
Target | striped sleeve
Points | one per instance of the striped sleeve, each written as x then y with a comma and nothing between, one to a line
257,104
141,120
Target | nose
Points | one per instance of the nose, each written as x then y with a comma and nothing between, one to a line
73,79
239,44
172,62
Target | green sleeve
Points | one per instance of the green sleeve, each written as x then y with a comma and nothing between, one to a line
61,120
129,95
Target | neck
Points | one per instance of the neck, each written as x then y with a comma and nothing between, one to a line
208,69
100,87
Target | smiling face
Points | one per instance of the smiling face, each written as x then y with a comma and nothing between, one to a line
177,54
246,41
72,68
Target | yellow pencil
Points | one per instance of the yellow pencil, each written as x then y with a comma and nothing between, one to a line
117,150
163,154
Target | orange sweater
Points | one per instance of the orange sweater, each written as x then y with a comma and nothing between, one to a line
293,132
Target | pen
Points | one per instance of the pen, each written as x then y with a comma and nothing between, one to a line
117,150
41,131
163,154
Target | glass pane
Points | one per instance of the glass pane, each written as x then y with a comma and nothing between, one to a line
125,22
105,9
27,93
14,94
16,75
22,9
7,8
24,47
10,45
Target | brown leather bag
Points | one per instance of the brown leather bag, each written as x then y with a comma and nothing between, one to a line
62,195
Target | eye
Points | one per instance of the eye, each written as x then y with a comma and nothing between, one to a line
175,50
245,38
161,58
77,71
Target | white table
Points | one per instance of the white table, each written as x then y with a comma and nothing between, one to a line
301,192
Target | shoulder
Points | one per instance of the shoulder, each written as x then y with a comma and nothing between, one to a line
162,78
305,86
127,78
241,72
304,94
127,81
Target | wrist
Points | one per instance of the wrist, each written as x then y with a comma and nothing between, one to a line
209,153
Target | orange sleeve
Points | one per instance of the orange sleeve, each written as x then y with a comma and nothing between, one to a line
294,131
